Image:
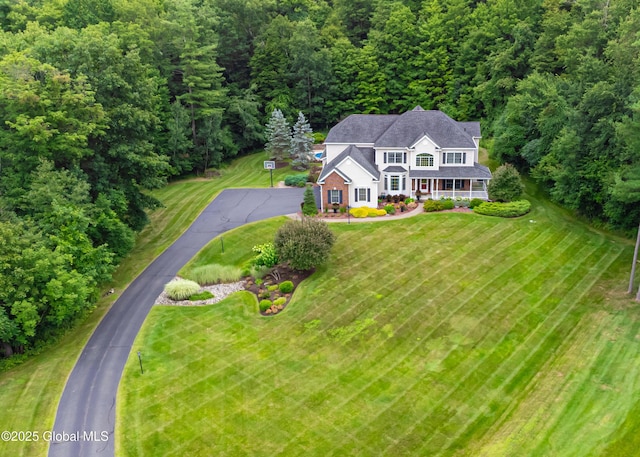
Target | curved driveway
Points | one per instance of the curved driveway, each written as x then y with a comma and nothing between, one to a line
87,406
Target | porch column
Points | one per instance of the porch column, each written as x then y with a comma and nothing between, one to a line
436,189
470,188
454,188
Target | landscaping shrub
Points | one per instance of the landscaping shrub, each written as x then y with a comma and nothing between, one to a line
509,209
506,185
181,289
359,212
447,203
389,209
318,137
272,287
267,255
265,294
372,212
433,205
296,180
381,212
279,301
309,207
475,202
215,273
265,305
305,243
286,287
259,272
204,295
408,200
343,209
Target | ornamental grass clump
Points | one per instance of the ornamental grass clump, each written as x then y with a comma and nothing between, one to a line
215,274
181,289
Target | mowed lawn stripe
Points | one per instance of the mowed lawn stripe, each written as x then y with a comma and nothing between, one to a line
600,388
526,363
481,336
348,371
396,361
521,426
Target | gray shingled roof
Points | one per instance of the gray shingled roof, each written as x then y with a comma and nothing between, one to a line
472,128
395,169
360,128
393,130
476,172
363,156
411,125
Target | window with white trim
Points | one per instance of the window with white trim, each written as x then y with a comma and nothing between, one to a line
424,160
362,194
395,157
454,157
395,182
334,196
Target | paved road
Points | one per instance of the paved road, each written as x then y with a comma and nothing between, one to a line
88,401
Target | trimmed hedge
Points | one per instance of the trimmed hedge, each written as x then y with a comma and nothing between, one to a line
362,211
448,204
433,205
475,202
365,211
181,289
265,305
286,287
510,209
296,180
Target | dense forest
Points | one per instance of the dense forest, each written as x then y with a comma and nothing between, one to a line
103,100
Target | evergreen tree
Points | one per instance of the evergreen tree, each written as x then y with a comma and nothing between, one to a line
301,142
278,136
309,207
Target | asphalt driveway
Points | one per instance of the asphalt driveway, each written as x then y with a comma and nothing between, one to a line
85,420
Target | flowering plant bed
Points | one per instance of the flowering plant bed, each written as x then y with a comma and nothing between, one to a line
275,289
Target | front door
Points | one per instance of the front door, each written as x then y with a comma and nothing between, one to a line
424,186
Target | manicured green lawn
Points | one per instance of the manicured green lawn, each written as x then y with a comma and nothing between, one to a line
29,393
441,334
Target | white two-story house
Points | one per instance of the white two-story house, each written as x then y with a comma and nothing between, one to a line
372,155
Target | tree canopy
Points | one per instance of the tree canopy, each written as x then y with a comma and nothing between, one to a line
103,101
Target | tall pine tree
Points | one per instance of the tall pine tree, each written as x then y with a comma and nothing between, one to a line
301,142
278,136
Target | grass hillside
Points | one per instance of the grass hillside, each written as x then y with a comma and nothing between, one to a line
29,393
442,334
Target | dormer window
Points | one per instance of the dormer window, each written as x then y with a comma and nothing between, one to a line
424,160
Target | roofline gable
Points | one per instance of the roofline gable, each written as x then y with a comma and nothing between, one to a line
424,136
358,164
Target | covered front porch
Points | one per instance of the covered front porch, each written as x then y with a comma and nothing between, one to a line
451,182
437,188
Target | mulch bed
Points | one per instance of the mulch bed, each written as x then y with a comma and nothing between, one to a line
331,215
276,275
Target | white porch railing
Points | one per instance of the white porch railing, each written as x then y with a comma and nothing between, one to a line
459,194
